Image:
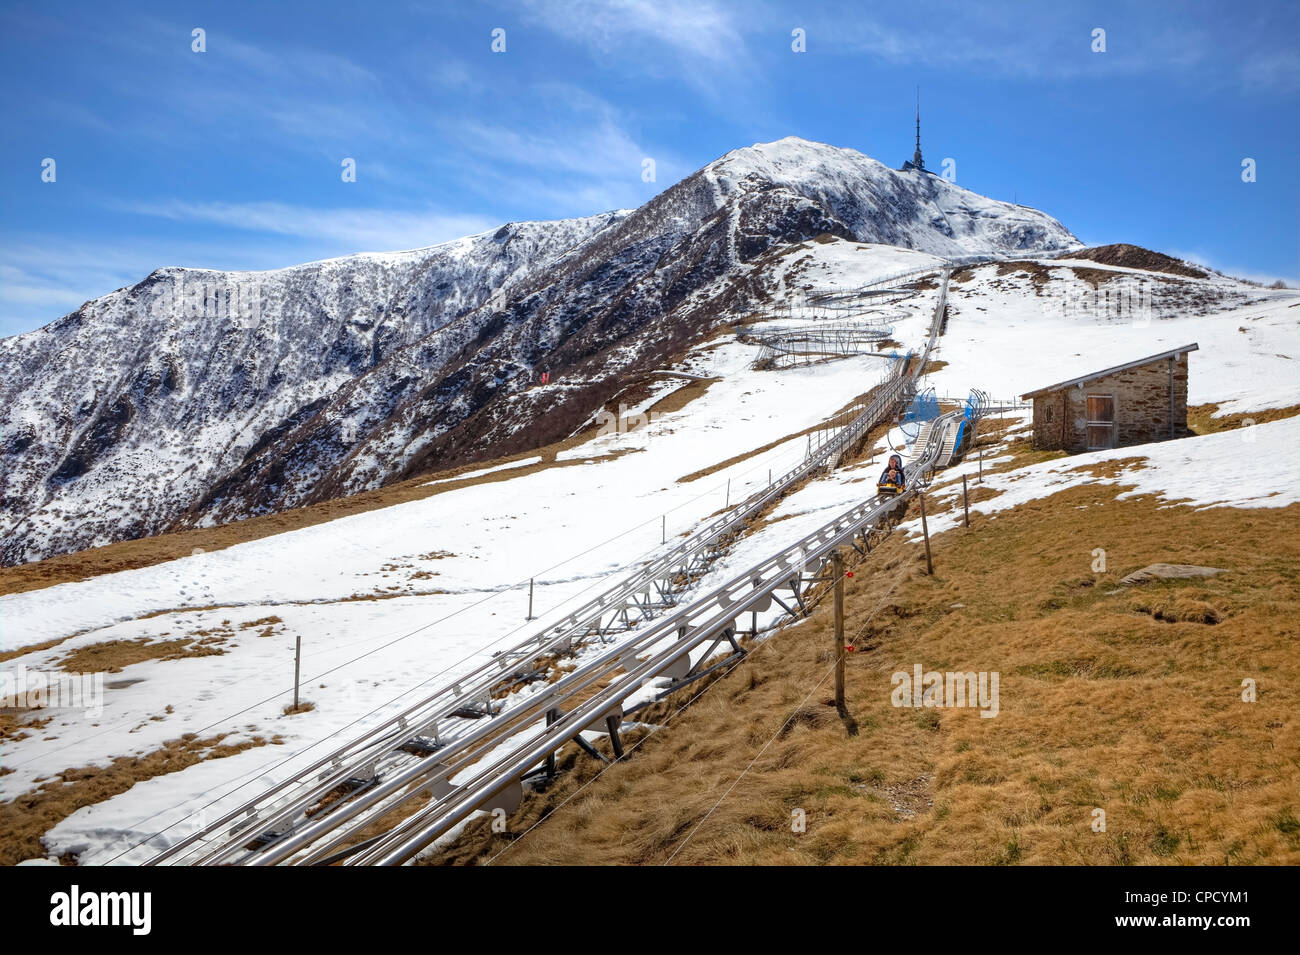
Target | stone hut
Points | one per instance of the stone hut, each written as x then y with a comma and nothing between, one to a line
1134,403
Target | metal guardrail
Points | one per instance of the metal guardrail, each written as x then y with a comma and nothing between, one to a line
706,621
789,348
827,296
471,695
495,757
323,805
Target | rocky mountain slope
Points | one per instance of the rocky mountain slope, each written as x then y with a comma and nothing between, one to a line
198,397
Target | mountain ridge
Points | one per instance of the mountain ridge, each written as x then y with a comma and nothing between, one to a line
196,397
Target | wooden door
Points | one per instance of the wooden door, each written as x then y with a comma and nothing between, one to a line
1101,422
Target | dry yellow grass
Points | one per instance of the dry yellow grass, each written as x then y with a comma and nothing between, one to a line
1121,699
8,655
110,656
15,722
1201,420
25,819
121,653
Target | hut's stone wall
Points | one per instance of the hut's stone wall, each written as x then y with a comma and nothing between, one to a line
1142,407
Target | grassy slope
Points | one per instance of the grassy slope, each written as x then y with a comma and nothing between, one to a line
1125,699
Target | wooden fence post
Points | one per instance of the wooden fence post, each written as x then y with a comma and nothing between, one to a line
297,668
925,529
837,570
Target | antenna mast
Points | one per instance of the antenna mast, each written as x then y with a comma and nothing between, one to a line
917,161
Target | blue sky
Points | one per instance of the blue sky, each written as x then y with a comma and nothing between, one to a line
231,158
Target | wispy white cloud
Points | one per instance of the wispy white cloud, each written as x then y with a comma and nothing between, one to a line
294,64
22,289
1046,47
357,229
573,156
1278,71
44,277
1200,257
449,74
696,29
577,154
296,94
1055,42
591,145
560,148
699,45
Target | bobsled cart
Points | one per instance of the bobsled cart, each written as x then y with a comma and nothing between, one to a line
892,481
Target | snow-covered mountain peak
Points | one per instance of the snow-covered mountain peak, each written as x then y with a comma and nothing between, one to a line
876,203
790,159
201,396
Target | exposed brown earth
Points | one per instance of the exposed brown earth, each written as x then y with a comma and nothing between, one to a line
1128,256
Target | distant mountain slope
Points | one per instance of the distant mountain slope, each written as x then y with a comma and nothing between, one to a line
138,401
199,397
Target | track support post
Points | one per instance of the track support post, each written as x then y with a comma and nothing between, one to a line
925,529
612,723
551,769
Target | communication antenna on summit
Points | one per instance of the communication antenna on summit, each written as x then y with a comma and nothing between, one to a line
917,161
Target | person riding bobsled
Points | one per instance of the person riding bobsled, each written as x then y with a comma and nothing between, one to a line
892,480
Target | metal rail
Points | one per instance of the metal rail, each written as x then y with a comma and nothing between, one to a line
877,287
484,716
789,348
704,624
